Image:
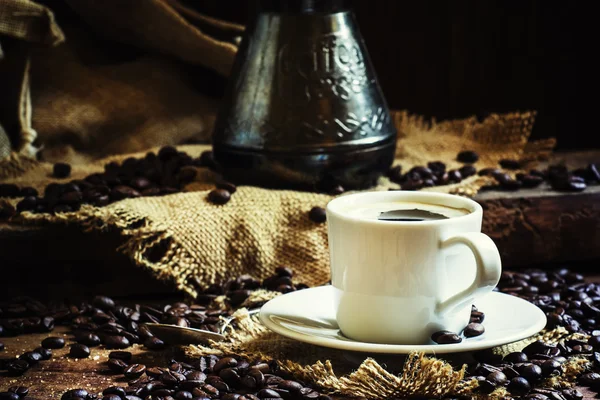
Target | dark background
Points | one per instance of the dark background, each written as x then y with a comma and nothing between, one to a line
449,59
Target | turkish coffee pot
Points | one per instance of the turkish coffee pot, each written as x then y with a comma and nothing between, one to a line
303,108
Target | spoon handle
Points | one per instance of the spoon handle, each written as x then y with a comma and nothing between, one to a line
227,321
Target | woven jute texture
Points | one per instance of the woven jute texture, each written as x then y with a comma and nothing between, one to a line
183,236
375,377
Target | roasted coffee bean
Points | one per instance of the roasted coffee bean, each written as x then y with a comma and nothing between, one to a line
435,336
111,397
29,203
591,379
593,173
88,338
516,357
184,395
497,378
531,181
549,366
538,347
9,396
489,172
412,184
7,210
9,190
467,156
141,183
454,176
531,372
75,394
21,391
510,164
53,342
116,390
536,396
61,170
268,394
116,342
79,351
31,357
568,184
519,386
134,371
448,338
225,362
572,394
510,184
45,353
123,192
16,367
219,196
1,346
317,214
28,191
121,355
228,186
473,329
116,365
395,174
437,167
467,171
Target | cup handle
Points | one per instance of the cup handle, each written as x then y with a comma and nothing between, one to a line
489,268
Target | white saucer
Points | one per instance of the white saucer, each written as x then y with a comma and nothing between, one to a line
308,316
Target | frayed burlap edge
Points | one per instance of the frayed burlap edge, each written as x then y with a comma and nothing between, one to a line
421,375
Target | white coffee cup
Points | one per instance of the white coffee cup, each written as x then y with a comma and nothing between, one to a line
398,282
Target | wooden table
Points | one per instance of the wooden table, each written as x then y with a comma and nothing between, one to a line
533,226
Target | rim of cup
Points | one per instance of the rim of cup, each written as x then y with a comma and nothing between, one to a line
444,200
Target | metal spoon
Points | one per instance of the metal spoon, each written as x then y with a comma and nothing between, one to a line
174,334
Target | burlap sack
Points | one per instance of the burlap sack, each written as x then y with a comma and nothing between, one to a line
183,237
121,81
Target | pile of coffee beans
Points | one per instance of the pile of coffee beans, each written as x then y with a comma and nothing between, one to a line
567,301
435,174
153,175
563,295
104,322
210,377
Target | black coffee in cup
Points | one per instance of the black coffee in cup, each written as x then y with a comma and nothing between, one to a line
405,211
408,215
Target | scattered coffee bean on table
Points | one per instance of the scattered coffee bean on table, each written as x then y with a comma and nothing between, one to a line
79,351
219,196
61,170
467,156
317,214
7,210
21,391
510,164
